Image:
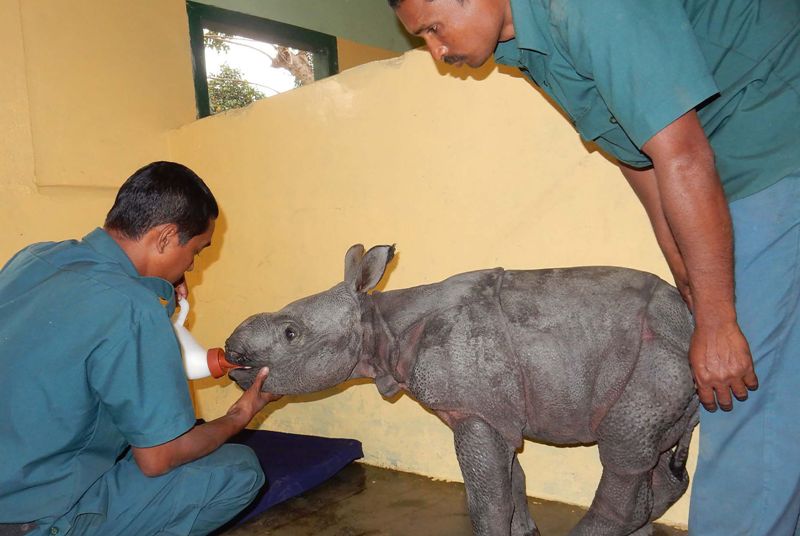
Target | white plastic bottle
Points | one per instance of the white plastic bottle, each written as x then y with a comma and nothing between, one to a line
199,362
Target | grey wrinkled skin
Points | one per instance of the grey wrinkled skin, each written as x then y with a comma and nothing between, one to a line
565,356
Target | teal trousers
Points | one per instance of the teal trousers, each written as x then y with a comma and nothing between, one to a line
193,499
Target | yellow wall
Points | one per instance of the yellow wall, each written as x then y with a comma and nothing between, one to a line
91,90
114,73
461,173
352,54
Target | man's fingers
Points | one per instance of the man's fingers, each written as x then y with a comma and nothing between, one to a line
181,289
706,395
720,396
740,396
724,398
751,380
258,381
270,397
739,390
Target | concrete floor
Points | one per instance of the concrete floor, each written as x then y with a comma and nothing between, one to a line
363,500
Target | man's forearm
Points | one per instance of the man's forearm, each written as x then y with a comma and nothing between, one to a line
206,438
645,185
200,441
697,213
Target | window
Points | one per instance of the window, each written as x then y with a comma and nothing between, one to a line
240,58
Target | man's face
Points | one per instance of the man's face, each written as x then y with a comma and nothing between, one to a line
175,259
458,31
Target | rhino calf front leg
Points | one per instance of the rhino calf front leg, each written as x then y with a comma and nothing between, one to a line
486,464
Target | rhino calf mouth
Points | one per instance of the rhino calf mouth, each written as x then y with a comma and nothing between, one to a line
243,376
236,357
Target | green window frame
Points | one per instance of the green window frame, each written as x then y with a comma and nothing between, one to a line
322,46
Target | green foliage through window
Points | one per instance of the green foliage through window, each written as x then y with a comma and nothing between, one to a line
239,58
228,90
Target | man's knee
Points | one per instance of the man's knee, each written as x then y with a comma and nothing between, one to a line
247,474
237,474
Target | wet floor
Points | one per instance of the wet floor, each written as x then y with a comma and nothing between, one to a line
364,500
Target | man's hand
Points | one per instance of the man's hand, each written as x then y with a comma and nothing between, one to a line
253,400
181,290
721,364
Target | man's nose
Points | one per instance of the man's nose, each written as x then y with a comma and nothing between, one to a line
437,49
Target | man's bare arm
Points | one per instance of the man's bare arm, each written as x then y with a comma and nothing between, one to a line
205,438
694,211
645,185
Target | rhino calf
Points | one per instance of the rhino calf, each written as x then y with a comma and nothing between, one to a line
565,356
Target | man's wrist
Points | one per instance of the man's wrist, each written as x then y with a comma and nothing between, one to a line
237,418
710,316
713,304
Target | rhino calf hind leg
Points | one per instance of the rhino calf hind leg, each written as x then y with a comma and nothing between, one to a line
647,530
621,505
670,477
521,523
668,486
486,464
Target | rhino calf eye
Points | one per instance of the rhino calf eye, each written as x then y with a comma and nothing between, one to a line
290,333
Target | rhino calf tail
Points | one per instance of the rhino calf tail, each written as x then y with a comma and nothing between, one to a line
677,464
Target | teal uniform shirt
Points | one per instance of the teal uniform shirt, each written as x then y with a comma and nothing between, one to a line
89,364
622,70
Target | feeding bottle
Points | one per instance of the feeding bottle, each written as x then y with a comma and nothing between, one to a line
198,362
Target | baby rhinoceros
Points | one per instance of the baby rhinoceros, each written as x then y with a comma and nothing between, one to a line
565,356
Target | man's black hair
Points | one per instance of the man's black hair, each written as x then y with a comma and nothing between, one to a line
163,192
395,3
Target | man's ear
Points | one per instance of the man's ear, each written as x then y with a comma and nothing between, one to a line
167,233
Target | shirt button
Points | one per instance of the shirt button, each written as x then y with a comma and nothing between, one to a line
54,530
612,120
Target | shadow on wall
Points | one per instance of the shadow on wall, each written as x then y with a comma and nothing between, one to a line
481,73
465,72
207,257
264,414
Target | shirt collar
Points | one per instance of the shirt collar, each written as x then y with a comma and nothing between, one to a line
529,19
100,241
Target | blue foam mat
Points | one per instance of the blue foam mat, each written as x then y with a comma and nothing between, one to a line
293,464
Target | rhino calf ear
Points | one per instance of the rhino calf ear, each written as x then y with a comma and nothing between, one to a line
372,267
352,264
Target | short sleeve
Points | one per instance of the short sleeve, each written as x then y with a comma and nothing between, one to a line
138,375
643,57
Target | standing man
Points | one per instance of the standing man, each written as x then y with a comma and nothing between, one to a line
97,429
699,103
